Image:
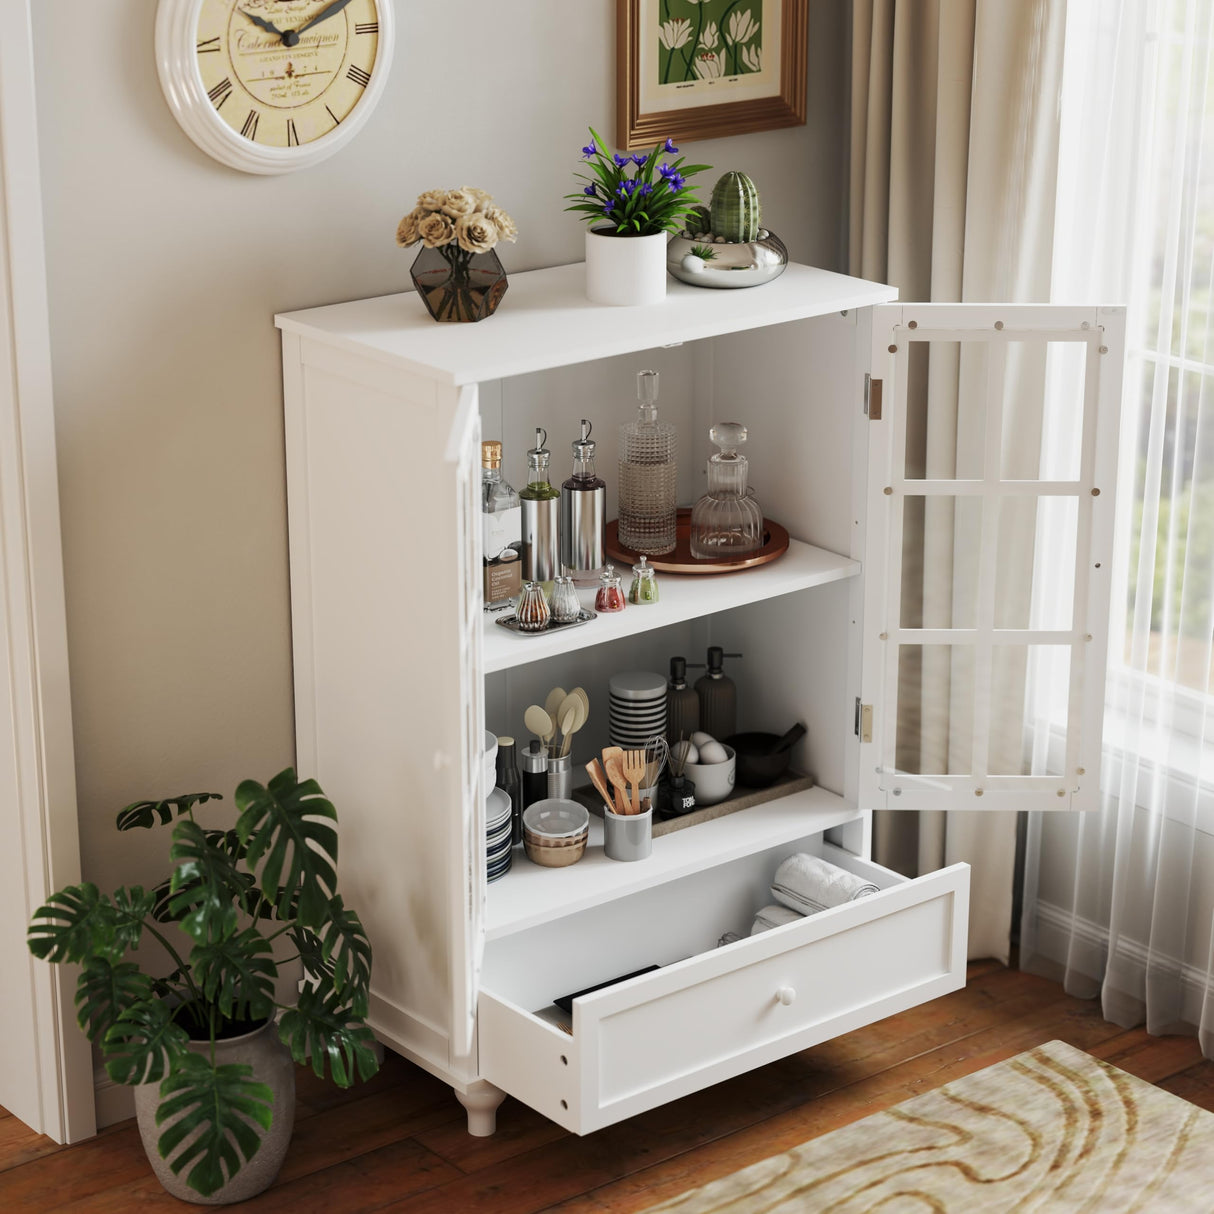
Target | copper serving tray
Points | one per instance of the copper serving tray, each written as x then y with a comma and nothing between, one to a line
775,545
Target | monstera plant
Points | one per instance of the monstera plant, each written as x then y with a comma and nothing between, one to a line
207,971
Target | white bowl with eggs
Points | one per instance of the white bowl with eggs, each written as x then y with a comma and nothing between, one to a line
711,766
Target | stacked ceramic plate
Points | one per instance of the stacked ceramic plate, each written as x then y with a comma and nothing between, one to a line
637,707
497,841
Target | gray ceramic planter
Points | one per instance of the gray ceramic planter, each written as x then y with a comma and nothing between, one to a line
272,1065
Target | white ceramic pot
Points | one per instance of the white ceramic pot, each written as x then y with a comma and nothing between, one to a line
271,1062
625,271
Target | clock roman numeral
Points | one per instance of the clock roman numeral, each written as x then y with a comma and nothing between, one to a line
220,93
209,46
249,130
336,120
359,76
366,27
292,134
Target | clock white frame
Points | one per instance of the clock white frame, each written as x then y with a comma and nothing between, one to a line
177,66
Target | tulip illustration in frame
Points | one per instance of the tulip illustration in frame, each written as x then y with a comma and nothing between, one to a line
707,68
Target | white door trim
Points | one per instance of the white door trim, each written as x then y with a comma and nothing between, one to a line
37,772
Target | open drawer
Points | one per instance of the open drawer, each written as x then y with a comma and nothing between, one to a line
710,1012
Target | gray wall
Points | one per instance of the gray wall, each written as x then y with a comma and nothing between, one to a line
165,270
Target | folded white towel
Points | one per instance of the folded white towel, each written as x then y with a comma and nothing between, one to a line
808,884
773,916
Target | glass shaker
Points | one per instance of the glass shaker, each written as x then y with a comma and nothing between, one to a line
611,594
726,522
565,605
532,612
644,588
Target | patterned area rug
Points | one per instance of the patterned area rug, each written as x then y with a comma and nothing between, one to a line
1050,1130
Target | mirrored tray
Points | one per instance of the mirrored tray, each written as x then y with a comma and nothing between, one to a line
510,624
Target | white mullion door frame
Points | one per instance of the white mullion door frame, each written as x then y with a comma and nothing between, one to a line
894,327
47,1076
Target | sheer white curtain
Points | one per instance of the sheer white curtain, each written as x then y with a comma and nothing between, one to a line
954,149
1120,903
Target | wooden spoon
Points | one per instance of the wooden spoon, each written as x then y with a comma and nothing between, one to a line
553,703
568,714
613,765
540,723
573,704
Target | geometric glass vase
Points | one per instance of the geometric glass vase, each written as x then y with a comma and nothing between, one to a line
457,285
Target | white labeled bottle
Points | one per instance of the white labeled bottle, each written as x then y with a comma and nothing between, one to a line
583,515
501,531
648,480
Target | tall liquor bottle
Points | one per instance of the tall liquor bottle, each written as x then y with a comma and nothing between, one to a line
648,476
502,530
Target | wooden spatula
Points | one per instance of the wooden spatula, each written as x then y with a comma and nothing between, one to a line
594,770
613,765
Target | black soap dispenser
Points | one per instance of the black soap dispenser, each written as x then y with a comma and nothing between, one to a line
718,696
682,704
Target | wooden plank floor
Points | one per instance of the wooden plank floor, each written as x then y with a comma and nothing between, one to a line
399,1143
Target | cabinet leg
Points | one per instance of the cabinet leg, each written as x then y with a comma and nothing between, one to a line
481,1100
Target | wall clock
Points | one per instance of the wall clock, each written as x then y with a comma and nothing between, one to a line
268,86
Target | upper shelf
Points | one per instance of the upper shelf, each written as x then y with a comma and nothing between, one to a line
683,597
546,321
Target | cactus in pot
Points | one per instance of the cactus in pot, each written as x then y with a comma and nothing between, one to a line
725,245
735,208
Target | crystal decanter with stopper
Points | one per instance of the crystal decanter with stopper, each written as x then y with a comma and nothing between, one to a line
726,522
648,476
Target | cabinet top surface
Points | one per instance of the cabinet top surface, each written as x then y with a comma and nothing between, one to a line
546,321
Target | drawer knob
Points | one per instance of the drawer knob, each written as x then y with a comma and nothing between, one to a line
786,995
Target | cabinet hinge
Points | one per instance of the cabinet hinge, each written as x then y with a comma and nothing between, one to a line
864,721
872,398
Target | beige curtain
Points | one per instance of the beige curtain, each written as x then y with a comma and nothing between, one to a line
954,138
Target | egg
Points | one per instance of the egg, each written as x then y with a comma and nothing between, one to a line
685,752
700,738
713,752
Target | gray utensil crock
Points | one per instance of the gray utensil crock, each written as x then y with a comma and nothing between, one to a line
627,836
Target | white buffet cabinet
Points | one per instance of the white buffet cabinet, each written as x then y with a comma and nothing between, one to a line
398,671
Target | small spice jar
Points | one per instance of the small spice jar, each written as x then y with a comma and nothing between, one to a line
610,596
565,605
532,611
644,588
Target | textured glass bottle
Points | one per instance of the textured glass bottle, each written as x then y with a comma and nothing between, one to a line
583,515
726,521
501,528
541,517
648,481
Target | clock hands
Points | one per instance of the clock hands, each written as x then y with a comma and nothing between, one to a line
324,14
291,37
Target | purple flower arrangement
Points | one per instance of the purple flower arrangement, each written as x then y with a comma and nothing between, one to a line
636,195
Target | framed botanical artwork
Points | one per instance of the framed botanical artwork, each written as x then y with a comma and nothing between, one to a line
701,69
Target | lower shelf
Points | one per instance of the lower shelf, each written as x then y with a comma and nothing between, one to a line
529,895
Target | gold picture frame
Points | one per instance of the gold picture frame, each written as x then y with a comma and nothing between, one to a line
681,75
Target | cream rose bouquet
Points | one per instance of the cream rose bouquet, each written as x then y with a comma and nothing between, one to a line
460,224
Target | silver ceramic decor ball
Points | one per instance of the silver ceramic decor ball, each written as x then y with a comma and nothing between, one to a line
743,264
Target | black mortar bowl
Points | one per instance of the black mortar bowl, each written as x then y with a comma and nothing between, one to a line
762,758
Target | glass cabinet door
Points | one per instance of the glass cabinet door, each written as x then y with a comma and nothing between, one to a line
992,437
